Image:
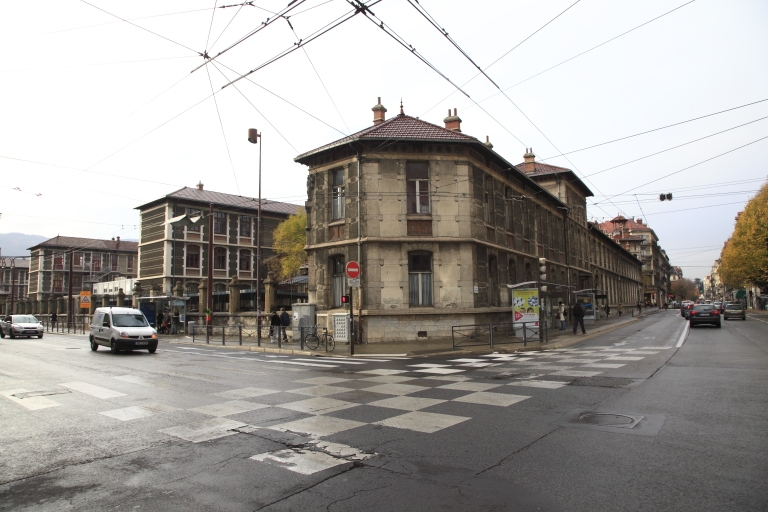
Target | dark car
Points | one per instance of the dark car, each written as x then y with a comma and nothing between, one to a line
686,312
734,311
704,314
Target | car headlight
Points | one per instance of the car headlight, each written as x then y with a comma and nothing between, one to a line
123,334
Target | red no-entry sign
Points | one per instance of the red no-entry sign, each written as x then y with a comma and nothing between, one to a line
353,270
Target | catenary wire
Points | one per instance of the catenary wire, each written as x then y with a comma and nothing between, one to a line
223,133
655,129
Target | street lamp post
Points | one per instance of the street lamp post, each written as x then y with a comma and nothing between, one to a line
253,138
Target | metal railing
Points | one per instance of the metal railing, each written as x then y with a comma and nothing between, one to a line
80,325
498,334
238,333
218,333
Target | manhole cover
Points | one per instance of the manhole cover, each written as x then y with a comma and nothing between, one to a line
605,419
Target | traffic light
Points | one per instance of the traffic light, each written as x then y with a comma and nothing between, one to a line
665,197
543,272
345,299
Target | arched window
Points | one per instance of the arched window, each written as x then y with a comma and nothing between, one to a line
337,280
190,289
245,260
420,279
220,258
193,256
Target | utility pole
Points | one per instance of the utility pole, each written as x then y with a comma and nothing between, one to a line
69,291
209,299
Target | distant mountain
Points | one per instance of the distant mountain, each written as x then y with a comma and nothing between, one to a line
16,244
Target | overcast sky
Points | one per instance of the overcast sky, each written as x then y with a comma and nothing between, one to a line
114,117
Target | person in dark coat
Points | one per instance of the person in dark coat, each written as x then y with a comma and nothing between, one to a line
578,318
285,321
274,326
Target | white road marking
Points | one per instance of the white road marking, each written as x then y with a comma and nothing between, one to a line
32,403
308,462
427,422
546,384
397,356
229,408
440,371
213,428
245,393
297,363
141,381
318,426
138,411
335,361
90,389
347,359
488,398
683,336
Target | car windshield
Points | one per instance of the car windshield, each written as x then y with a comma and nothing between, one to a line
737,307
24,319
704,307
129,320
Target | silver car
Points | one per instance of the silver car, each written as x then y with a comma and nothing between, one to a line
16,326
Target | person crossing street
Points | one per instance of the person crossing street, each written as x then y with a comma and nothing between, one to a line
578,318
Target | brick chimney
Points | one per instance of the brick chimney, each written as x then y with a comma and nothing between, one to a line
529,158
378,112
639,221
199,185
488,142
452,122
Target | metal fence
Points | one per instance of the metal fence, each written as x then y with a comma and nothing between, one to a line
237,333
81,324
498,334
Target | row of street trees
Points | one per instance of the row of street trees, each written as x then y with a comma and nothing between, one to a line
744,259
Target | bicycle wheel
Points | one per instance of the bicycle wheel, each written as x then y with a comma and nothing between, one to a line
331,343
312,341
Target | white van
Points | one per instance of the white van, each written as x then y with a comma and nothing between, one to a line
122,329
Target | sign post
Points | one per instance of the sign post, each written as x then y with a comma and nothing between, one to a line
353,274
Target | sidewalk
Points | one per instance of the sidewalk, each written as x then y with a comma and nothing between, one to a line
442,346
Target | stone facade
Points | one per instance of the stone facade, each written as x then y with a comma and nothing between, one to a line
442,225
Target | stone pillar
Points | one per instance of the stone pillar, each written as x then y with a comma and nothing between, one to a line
105,300
178,289
234,295
270,293
93,306
202,290
120,298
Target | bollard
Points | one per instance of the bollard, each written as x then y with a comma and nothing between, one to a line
223,333
240,333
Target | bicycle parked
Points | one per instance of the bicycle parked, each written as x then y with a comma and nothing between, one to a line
313,341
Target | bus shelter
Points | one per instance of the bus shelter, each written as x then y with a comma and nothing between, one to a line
151,306
593,301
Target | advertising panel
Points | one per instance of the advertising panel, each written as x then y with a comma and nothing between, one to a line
525,305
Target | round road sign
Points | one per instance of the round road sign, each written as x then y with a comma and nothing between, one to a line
353,270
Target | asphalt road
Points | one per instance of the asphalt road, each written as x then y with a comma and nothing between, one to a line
202,428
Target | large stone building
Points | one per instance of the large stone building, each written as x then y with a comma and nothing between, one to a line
175,256
441,224
14,277
641,240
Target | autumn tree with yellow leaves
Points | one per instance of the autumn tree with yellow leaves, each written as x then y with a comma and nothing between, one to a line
744,258
288,241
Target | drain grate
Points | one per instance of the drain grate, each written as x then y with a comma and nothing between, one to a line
605,419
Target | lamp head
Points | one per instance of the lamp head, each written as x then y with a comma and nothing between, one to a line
253,135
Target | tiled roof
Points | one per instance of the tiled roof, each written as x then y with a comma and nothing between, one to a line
73,242
401,127
540,168
223,199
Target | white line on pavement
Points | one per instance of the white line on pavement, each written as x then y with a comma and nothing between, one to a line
684,335
90,389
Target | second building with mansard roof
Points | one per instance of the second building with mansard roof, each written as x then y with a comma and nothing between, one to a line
440,224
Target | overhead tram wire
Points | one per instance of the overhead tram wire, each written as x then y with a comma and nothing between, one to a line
228,24
254,107
504,55
685,168
264,24
223,133
590,49
655,129
142,28
391,33
319,77
675,147
445,33
320,32
210,27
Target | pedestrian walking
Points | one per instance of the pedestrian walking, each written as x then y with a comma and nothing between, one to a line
285,321
639,307
607,310
578,318
274,326
175,323
620,309
159,322
54,318
561,315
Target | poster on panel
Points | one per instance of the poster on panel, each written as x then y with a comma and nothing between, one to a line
525,305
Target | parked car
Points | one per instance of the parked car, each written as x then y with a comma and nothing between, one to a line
704,314
122,329
734,311
16,326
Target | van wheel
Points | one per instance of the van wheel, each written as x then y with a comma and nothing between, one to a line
94,345
113,347
2,334
152,350
12,336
